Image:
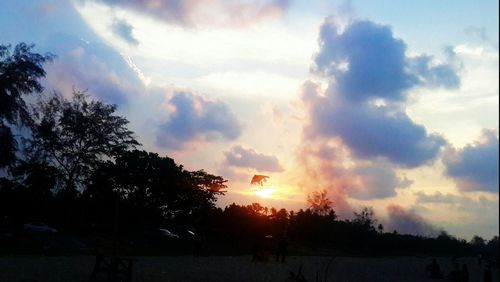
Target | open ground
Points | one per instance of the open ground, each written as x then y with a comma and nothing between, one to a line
233,268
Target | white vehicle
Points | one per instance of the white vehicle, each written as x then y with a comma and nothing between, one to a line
38,227
168,234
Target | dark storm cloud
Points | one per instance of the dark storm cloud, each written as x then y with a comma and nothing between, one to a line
239,156
196,118
123,29
408,222
367,61
475,167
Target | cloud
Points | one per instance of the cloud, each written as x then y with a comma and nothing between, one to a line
239,156
322,167
194,118
475,167
473,214
326,164
375,182
123,29
408,222
476,32
370,131
444,75
437,197
367,61
464,202
93,66
369,77
358,125
208,12
83,60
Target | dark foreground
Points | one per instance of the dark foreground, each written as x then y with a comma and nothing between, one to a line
237,268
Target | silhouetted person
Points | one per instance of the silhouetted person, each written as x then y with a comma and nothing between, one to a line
497,261
455,273
434,270
281,247
464,274
257,247
199,240
487,276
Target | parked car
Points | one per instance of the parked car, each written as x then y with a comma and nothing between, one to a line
38,227
166,233
185,234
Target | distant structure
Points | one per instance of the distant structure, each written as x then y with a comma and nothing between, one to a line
259,179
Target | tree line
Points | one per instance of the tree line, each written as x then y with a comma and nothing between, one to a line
73,163
70,161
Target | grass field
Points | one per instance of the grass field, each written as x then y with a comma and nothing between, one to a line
227,268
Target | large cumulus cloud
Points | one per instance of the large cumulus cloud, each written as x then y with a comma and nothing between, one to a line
239,156
368,61
361,115
372,131
195,12
196,118
475,167
363,63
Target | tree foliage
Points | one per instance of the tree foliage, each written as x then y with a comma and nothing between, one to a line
319,203
20,71
75,135
155,187
8,146
365,219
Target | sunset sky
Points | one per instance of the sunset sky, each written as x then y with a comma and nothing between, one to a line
388,104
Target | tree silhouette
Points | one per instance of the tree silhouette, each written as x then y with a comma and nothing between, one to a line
20,71
365,219
319,203
74,135
155,189
477,241
8,146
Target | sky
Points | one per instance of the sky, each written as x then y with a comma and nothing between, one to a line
385,104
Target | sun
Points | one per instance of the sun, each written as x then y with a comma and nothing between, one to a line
265,192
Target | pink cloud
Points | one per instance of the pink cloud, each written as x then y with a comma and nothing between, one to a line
205,12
